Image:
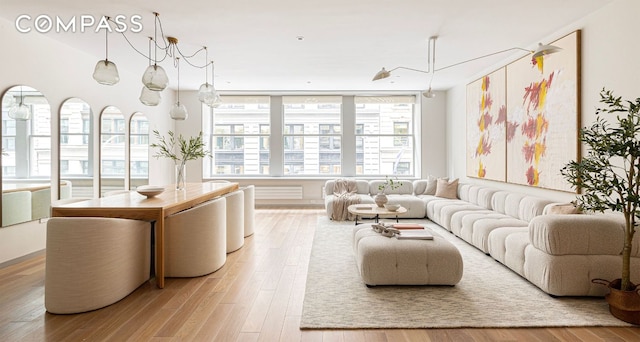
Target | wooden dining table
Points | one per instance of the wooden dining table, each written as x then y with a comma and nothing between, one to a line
132,205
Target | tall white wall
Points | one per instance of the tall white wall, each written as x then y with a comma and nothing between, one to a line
61,72
609,59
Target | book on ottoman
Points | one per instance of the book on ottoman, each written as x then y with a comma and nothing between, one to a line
415,235
407,226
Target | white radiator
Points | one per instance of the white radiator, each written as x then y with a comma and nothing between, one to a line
279,192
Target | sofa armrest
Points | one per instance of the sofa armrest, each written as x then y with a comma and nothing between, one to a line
577,234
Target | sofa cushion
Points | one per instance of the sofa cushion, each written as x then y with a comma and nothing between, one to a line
405,187
414,205
482,228
531,207
447,189
498,242
362,185
577,234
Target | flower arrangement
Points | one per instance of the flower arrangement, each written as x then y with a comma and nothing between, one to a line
191,149
389,184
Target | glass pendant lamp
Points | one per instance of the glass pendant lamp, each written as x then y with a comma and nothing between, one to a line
208,94
150,97
106,71
155,78
20,111
178,110
206,91
8,101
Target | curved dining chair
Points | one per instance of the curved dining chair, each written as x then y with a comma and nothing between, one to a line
249,209
93,262
235,220
195,240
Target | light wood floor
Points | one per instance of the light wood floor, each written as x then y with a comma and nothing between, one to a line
256,296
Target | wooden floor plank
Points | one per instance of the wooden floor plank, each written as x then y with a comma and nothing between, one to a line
257,295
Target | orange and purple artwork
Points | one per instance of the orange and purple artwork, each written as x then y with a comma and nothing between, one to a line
542,116
486,116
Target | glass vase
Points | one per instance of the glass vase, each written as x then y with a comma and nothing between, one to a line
181,176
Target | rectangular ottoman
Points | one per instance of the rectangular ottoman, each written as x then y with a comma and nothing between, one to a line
388,261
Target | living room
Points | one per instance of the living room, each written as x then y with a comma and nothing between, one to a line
607,57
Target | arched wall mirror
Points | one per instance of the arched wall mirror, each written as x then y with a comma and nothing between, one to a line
76,149
139,150
112,150
26,155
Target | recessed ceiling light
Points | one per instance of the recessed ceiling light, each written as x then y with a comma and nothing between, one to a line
300,38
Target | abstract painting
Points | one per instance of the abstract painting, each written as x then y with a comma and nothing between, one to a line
486,116
543,115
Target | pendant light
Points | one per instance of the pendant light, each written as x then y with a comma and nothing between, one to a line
20,111
155,78
106,71
8,101
149,97
206,91
178,110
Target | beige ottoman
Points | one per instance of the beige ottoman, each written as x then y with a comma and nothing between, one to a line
389,261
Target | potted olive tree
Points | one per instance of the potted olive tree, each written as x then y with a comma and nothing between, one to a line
609,177
191,149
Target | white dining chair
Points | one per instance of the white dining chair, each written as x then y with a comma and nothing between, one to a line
195,240
249,209
93,262
235,220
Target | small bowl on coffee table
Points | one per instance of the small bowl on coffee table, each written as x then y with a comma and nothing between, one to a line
392,207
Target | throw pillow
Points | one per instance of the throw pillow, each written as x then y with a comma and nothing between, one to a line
568,208
446,189
432,183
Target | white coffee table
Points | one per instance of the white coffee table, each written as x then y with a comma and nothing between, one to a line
374,210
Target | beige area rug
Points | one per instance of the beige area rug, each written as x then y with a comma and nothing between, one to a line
489,294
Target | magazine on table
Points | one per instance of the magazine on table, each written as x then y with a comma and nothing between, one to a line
414,234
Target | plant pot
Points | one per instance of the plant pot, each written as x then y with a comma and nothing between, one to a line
381,200
623,305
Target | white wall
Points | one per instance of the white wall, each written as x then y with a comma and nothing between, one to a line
609,59
61,72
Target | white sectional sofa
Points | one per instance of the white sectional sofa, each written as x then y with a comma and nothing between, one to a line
559,253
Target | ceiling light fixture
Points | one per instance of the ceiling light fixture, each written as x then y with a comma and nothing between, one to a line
178,110
541,50
20,111
150,97
155,77
106,71
207,93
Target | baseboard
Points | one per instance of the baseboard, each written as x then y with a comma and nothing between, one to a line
22,258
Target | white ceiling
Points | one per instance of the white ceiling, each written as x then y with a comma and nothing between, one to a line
255,44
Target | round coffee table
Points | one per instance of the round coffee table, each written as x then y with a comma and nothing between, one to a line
373,209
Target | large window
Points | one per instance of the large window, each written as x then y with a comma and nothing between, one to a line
237,133
384,135
312,135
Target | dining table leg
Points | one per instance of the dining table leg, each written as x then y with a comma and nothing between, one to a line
160,252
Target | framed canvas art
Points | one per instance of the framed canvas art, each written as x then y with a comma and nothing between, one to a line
543,115
486,117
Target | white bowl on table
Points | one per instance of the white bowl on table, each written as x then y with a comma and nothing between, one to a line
150,190
392,206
